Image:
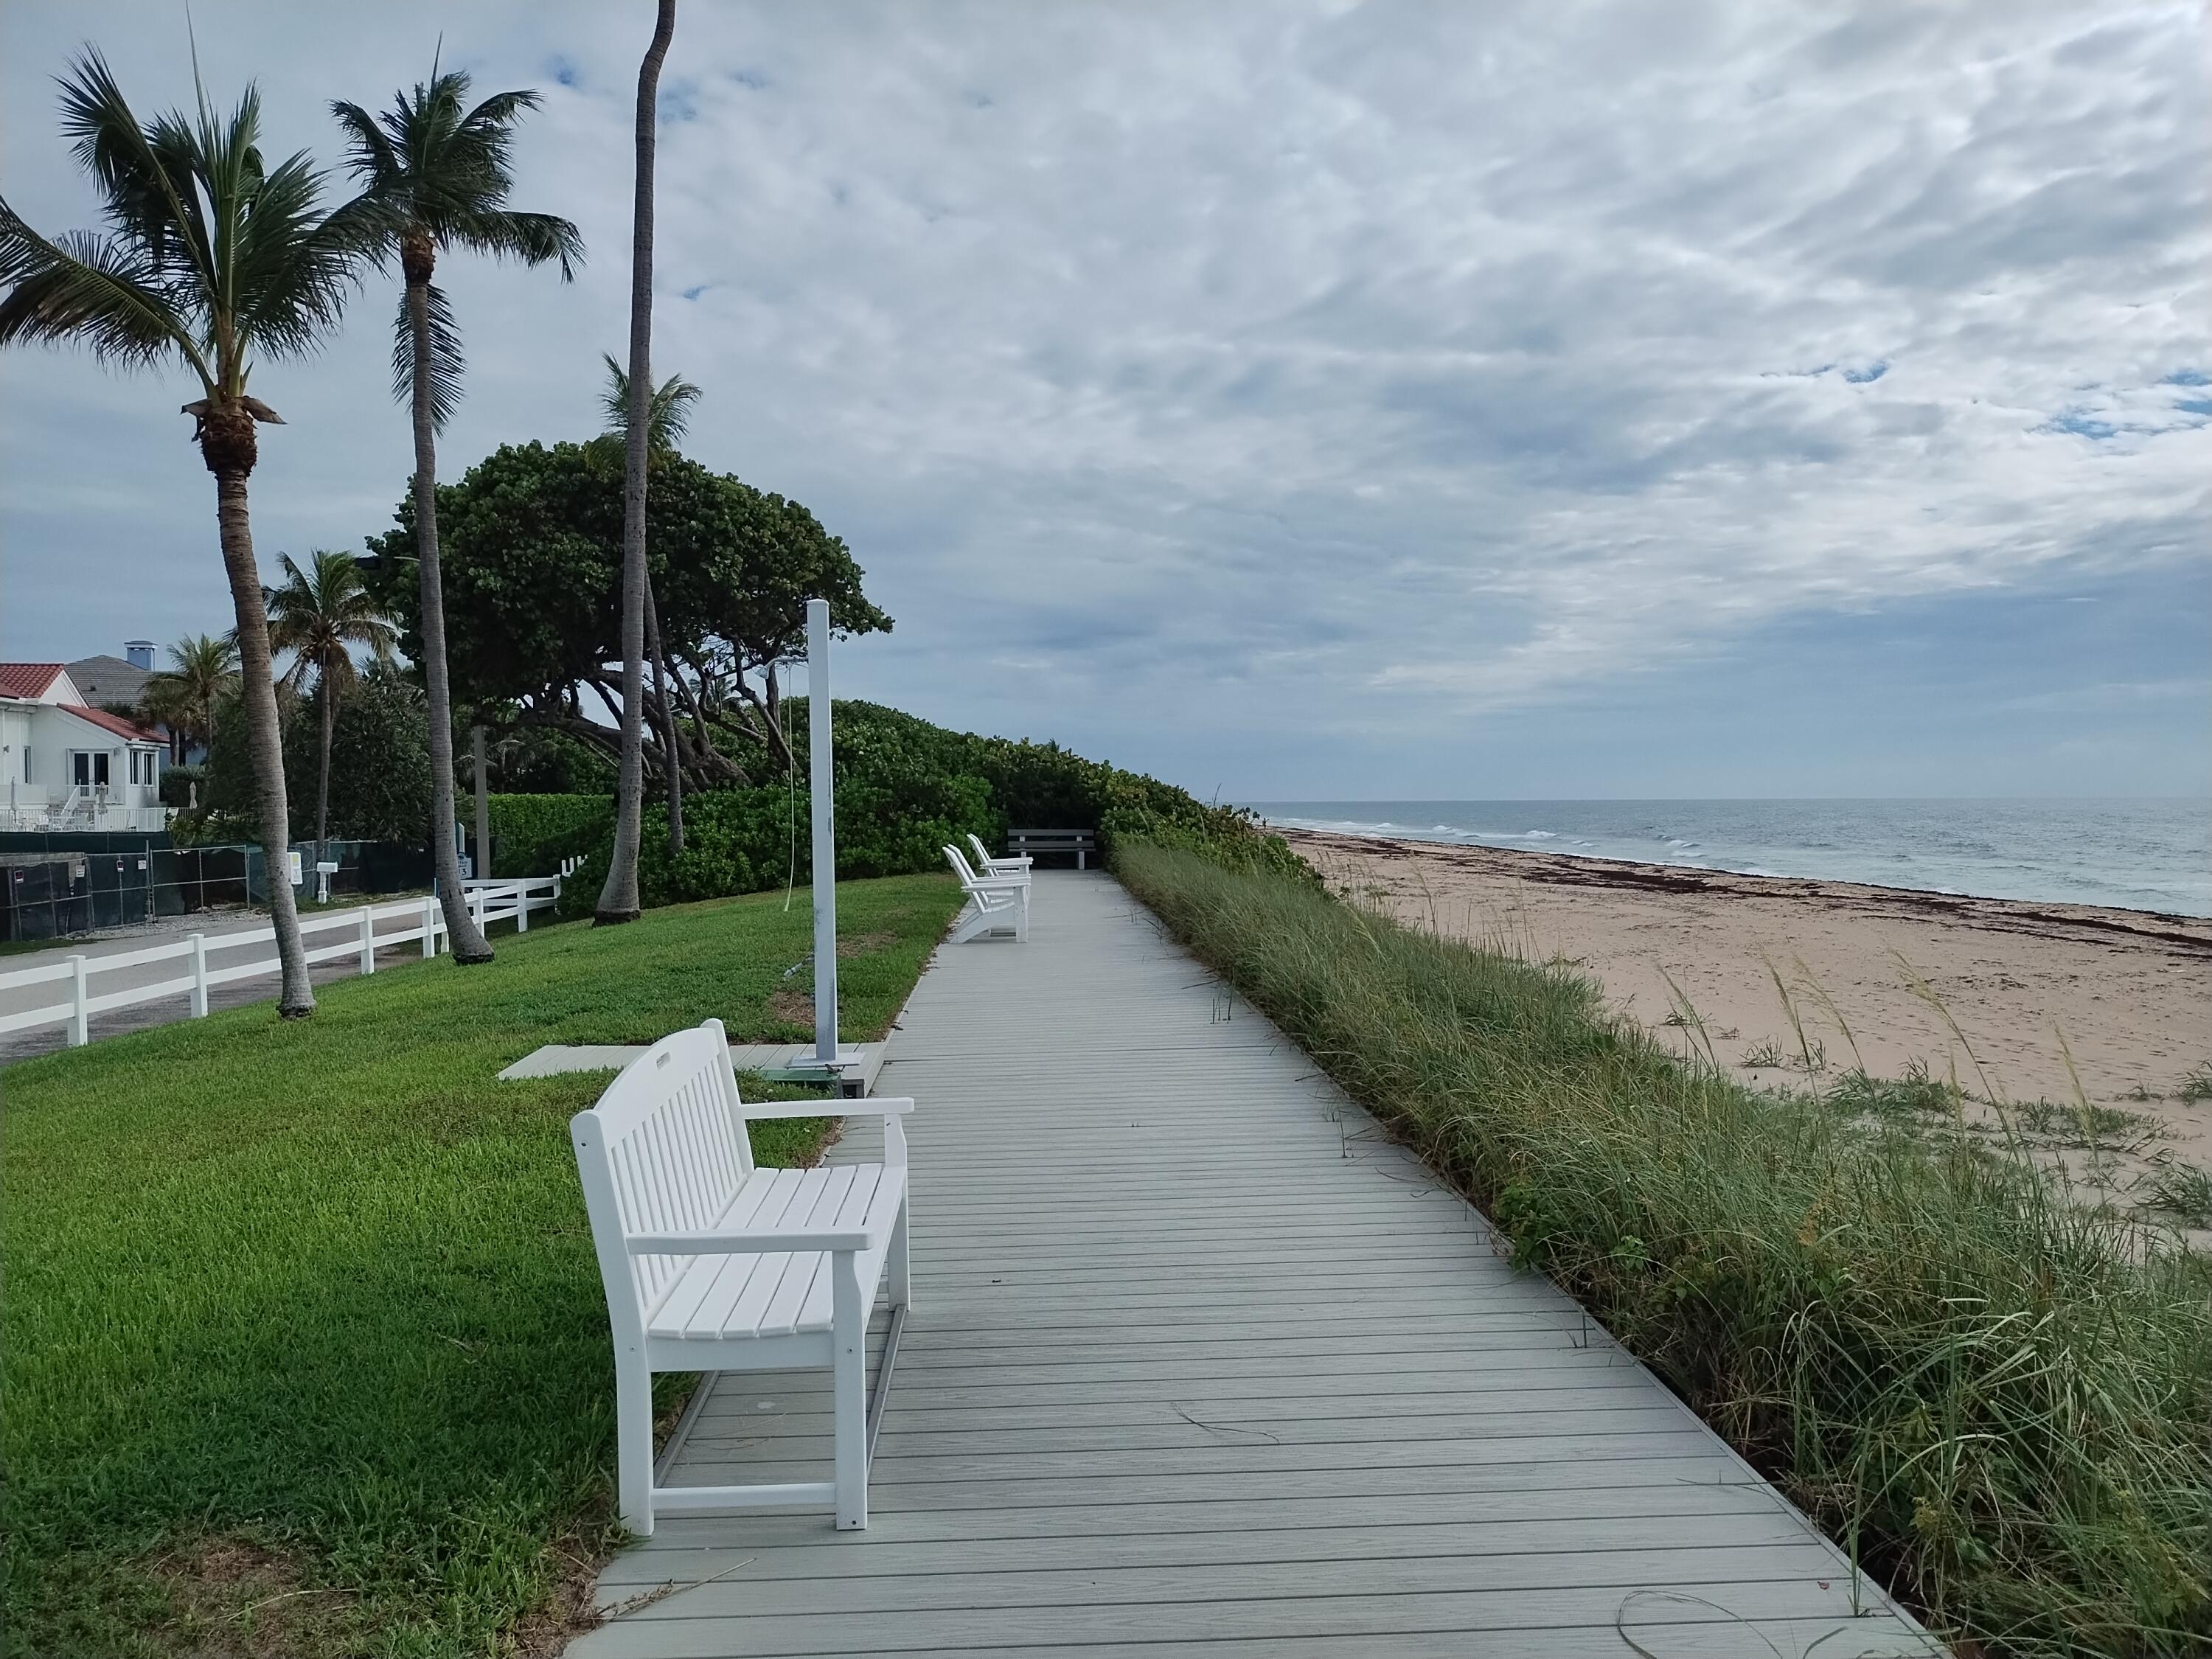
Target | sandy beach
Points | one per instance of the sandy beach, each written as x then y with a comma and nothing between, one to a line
2127,994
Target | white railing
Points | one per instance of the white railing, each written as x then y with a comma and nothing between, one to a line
86,807
505,898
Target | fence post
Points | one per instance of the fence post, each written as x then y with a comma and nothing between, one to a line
80,1032
368,938
430,927
477,907
521,907
199,975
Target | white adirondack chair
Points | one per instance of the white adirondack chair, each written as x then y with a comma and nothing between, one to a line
996,904
713,1265
990,866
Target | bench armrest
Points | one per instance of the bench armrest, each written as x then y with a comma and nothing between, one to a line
747,1240
886,1106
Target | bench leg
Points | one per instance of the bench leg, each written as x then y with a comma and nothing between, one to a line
848,1387
897,1266
634,1444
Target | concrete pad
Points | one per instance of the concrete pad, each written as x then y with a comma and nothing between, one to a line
781,1062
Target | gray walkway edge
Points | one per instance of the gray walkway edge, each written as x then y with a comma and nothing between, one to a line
1201,1363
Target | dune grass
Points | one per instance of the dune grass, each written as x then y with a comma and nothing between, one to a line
306,1346
1998,1399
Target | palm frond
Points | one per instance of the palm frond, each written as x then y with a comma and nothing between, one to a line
290,269
89,289
532,238
447,366
498,112
614,402
145,173
668,410
370,156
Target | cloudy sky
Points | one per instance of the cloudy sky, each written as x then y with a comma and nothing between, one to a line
1310,400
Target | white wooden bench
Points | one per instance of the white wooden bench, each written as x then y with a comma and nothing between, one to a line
1029,842
996,904
713,1265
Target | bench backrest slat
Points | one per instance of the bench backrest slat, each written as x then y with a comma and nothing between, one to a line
664,1151
1054,840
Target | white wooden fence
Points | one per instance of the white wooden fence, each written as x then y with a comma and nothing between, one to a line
504,898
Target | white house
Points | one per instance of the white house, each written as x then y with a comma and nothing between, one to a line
69,766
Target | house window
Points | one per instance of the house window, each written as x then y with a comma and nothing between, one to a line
88,769
142,767
27,778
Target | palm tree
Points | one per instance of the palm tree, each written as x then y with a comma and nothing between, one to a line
211,255
202,674
440,173
668,417
320,615
618,897
668,410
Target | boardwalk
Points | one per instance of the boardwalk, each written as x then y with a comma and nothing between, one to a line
1201,1365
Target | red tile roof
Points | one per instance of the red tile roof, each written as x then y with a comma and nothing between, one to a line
114,723
28,679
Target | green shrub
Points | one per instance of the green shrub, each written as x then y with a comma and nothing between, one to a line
179,783
531,833
905,788
1998,1396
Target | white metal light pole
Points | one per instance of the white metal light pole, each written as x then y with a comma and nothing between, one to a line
825,833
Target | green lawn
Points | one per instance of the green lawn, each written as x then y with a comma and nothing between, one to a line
305,1316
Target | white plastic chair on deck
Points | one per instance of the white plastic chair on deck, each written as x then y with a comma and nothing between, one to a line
996,904
991,866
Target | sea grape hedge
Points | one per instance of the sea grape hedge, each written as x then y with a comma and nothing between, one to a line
904,788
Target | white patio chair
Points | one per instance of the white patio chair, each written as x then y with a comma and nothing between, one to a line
996,904
991,866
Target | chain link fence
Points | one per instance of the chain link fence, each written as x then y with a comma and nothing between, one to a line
56,884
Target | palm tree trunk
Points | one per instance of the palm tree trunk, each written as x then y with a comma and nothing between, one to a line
618,898
468,940
323,786
674,765
258,686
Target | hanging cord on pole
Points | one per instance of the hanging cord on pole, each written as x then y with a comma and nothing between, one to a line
791,777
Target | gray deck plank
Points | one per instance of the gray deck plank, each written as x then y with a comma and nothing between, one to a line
1200,1363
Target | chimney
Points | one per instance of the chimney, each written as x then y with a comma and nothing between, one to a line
139,653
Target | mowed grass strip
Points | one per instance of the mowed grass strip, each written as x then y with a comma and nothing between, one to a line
1997,1395
319,1296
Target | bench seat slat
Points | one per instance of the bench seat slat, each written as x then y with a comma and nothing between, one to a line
779,1293
699,1302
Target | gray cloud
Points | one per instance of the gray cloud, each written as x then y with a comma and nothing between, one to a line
1199,382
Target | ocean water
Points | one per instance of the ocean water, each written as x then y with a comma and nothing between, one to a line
2139,855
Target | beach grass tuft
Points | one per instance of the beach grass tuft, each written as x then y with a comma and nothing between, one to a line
1998,1398
2182,1193
1912,1095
